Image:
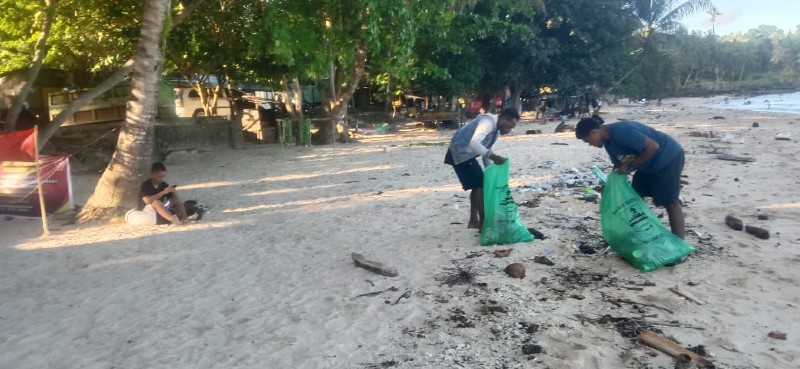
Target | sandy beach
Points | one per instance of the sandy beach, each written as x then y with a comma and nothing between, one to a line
266,280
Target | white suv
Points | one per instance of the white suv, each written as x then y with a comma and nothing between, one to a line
188,104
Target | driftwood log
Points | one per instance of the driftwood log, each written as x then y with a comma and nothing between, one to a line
373,266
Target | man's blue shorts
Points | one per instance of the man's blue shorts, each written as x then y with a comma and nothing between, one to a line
469,173
664,186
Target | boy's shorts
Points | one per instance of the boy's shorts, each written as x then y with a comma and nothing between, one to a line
147,216
469,173
663,186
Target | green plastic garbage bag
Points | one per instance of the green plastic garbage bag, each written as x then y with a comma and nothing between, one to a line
634,231
501,224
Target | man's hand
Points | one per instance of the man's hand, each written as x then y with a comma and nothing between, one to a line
624,169
169,189
497,159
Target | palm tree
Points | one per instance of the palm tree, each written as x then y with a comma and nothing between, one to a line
658,17
118,187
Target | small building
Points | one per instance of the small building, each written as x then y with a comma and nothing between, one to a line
48,81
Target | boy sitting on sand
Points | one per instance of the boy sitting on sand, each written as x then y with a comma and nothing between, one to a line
159,203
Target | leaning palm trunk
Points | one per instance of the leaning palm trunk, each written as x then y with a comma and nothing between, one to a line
118,187
38,57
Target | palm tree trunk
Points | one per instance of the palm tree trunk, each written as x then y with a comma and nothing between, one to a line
626,75
117,190
741,74
39,53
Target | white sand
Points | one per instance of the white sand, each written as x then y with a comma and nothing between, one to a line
265,280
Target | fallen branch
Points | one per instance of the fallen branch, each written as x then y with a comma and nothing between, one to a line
677,325
741,159
687,296
671,348
625,301
393,288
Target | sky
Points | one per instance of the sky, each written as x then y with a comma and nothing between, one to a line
744,15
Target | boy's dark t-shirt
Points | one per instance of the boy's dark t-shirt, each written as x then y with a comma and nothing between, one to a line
147,189
627,141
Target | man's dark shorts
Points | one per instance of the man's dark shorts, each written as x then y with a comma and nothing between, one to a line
469,173
663,186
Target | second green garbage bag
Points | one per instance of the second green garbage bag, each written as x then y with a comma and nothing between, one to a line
501,224
634,231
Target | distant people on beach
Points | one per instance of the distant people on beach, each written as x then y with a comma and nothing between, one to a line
654,157
476,139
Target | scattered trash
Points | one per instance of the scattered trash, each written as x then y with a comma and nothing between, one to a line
777,335
502,253
459,316
755,125
717,117
575,178
531,204
515,270
734,222
458,275
543,260
405,295
757,231
497,309
783,136
373,266
533,132
530,349
536,234
709,134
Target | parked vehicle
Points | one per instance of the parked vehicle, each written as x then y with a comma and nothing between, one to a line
189,104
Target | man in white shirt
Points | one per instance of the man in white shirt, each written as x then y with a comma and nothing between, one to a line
475,139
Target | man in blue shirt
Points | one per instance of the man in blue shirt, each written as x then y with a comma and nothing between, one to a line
655,157
476,139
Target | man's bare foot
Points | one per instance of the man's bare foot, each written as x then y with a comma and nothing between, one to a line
474,224
175,220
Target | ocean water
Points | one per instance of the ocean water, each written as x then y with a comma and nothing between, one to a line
778,103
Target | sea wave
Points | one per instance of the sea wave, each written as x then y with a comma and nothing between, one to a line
777,103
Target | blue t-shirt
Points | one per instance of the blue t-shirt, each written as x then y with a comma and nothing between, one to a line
626,141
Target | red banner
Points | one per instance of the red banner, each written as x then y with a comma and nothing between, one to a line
18,189
18,146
